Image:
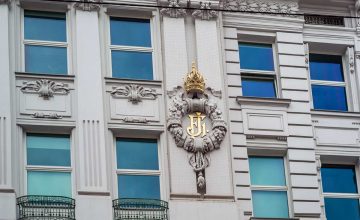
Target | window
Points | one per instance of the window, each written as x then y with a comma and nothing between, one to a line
268,183
137,168
340,192
257,68
327,82
131,48
48,165
45,42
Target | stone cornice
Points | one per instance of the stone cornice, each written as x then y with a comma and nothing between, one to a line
88,5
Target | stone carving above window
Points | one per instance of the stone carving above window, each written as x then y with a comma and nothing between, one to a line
88,5
197,103
205,12
45,88
281,6
135,93
173,9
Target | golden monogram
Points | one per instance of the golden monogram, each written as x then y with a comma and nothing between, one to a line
197,127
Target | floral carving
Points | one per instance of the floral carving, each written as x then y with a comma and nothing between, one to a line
45,88
135,93
88,5
282,7
198,147
205,12
173,9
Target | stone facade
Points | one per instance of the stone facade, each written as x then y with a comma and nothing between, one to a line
95,108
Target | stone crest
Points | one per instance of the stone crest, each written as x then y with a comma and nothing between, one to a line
196,103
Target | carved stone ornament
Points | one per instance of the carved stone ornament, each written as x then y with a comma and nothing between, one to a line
357,8
197,103
45,88
283,7
205,12
5,2
351,60
88,5
43,115
135,93
140,120
173,9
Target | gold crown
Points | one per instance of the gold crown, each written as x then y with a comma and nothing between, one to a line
194,81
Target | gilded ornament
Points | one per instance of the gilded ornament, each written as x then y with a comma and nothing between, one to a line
194,81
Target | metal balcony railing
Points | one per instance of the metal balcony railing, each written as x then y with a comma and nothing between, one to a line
324,20
140,209
35,207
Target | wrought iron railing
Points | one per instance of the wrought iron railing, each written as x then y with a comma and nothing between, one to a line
140,209
34,207
324,20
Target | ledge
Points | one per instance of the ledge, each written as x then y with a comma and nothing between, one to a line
245,100
132,81
334,113
205,197
46,76
255,218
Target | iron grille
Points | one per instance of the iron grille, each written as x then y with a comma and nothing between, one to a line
35,207
324,20
140,209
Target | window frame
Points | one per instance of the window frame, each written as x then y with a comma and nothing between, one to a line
55,169
285,188
341,195
116,172
344,84
153,18
57,44
262,74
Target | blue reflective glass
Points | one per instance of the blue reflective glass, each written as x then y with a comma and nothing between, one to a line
267,171
137,154
132,65
342,209
258,88
45,59
326,67
329,97
270,204
130,32
49,183
138,186
256,56
338,179
48,26
48,150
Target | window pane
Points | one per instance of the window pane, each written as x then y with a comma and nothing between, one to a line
130,32
256,56
344,209
132,65
267,171
49,183
48,26
326,67
269,204
329,97
136,186
137,154
338,179
48,150
44,59
258,88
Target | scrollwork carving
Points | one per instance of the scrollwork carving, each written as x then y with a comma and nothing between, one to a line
135,93
45,88
282,7
173,9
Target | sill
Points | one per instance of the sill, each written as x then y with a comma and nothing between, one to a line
317,112
257,218
44,75
127,80
275,102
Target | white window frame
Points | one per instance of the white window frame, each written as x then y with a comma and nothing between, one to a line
345,84
66,44
153,17
117,171
342,195
274,188
57,169
262,74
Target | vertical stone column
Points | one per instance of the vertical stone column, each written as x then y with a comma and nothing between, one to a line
301,147
7,193
92,186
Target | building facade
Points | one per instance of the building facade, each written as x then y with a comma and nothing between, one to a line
174,109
